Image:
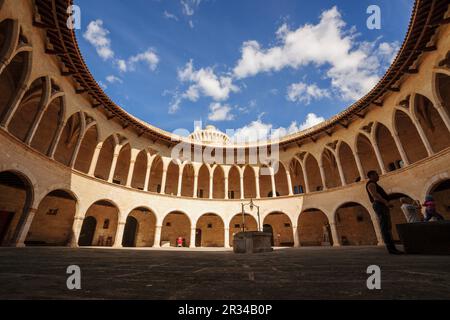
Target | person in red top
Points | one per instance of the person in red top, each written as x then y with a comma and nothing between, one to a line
179,242
430,209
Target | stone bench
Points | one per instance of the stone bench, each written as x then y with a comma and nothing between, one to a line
426,237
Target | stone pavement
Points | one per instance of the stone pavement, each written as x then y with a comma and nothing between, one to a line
295,273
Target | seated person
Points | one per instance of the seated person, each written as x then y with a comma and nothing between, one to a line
411,210
430,209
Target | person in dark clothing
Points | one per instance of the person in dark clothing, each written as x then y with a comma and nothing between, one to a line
380,202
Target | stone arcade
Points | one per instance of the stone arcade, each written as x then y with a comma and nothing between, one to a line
78,170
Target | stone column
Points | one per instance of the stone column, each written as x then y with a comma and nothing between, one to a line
296,236
192,244
258,192
147,177
341,171
211,187
113,167
322,175
289,182
55,141
401,150
379,158
23,227
157,241
305,177
13,106
180,182
359,165
195,186
227,238
119,235
423,137
274,187
130,172
241,181
163,181
334,234
76,230
444,116
226,187
94,160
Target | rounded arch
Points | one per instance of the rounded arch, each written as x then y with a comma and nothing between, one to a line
234,182
140,170
218,182
238,223
176,224
265,181
431,122
388,149
106,215
105,158
409,137
156,173
249,182
314,228
203,182
86,152
210,231
366,154
297,178
173,172
330,168
354,225
16,199
281,226
69,139
313,173
47,129
348,163
122,165
188,179
140,228
27,111
12,80
9,30
52,223
281,181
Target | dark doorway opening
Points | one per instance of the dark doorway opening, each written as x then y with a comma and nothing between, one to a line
268,229
5,221
198,237
87,232
130,232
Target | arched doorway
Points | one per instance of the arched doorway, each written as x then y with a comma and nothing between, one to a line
314,229
281,225
388,149
106,215
354,225
176,224
441,195
267,228
409,137
87,232
366,154
130,232
330,169
313,173
87,149
16,196
239,224
141,228
212,231
52,224
348,162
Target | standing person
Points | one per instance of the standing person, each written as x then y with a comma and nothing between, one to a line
430,209
411,210
380,202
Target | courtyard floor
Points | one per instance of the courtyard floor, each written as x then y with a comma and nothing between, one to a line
303,273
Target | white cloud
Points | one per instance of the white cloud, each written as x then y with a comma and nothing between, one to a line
149,57
189,6
220,112
260,131
351,66
302,92
205,82
97,36
113,79
169,15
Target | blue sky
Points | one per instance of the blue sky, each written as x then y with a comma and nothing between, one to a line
266,66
